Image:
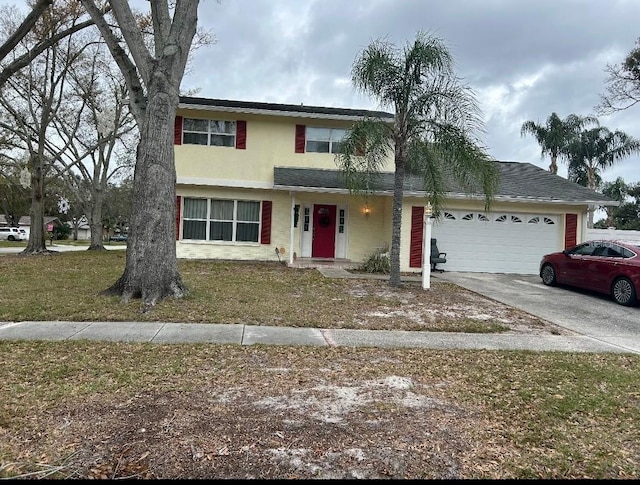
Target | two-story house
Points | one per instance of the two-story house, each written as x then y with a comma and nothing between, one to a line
259,181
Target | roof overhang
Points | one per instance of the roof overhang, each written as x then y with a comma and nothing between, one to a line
268,112
450,195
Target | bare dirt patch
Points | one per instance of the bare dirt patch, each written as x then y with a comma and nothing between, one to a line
444,307
112,411
391,427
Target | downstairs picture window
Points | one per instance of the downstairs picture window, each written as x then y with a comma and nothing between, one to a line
221,220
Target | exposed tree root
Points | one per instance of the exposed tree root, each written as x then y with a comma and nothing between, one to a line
150,295
36,252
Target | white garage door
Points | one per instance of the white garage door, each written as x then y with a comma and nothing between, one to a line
496,242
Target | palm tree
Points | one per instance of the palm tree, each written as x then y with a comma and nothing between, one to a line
436,118
617,191
597,149
579,175
556,134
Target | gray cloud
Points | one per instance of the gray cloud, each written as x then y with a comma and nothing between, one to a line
524,60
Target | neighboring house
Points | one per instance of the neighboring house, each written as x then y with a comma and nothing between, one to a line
84,230
25,223
259,181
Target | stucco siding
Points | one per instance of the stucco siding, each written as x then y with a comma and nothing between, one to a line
366,232
270,142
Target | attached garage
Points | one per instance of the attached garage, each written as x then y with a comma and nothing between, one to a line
497,242
534,213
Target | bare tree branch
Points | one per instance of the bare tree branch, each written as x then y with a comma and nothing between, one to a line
26,25
133,38
24,60
161,24
126,65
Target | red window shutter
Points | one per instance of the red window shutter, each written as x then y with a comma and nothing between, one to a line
300,138
265,233
415,247
570,230
241,135
177,131
178,204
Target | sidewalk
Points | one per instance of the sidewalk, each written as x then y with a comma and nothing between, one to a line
165,333
172,332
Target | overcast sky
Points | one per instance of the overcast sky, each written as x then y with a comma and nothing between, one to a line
524,59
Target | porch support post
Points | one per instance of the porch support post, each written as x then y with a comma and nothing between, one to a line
426,248
291,228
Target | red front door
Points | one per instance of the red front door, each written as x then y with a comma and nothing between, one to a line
324,231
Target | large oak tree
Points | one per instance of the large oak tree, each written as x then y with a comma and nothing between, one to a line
153,78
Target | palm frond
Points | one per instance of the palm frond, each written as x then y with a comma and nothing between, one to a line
364,152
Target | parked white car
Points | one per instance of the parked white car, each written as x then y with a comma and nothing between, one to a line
11,234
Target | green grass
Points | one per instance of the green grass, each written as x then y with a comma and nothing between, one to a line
67,286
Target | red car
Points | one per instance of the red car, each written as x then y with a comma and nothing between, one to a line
610,267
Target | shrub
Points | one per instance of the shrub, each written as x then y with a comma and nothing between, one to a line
378,262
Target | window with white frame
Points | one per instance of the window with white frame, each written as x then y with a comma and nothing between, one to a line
209,132
221,220
324,140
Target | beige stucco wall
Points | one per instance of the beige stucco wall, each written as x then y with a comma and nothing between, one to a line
270,143
205,171
190,249
364,233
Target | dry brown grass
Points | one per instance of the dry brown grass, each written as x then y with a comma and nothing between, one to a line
108,410
79,409
66,286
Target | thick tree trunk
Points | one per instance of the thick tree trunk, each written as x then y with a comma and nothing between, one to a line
37,241
151,271
95,222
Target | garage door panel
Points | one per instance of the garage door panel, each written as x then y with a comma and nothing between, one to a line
496,247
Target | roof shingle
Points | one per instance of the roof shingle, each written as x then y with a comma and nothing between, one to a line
518,180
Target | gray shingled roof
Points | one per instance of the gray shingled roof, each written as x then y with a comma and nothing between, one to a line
290,109
518,181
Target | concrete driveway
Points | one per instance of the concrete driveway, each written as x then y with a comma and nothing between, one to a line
583,312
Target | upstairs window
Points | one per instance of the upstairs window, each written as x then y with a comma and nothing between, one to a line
324,140
209,132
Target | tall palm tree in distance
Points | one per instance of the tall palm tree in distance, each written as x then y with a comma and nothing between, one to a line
434,129
618,191
556,134
597,149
